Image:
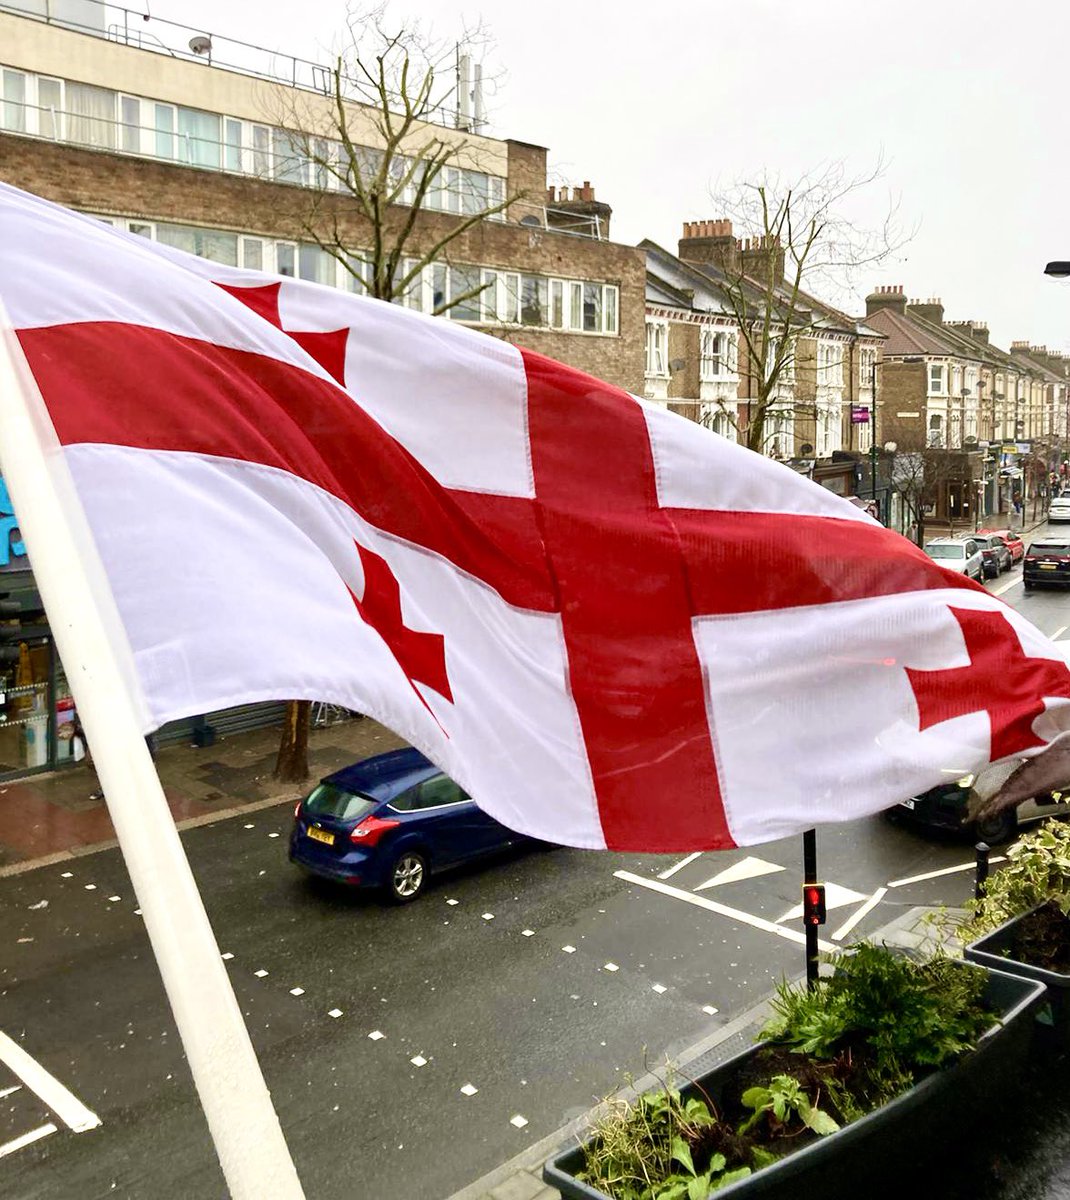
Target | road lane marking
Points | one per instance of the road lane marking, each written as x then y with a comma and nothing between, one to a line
1006,587
27,1139
10,1090
1061,630
735,914
682,863
859,913
71,1111
748,868
946,871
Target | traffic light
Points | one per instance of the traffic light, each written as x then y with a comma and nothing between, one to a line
813,904
13,631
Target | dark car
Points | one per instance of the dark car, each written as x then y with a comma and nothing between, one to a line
1047,561
1011,540
945,807
389,822
997,558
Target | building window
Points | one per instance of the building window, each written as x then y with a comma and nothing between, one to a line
463,281
13,109
199,138
712,363
91,115
937,379
936,430
232,145
50,108
130,125
533,300
592,308
657,341
164,122
867,361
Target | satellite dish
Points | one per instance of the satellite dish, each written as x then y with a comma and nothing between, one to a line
806,449
531,219
200,44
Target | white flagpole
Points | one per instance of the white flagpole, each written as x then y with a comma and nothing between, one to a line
97,661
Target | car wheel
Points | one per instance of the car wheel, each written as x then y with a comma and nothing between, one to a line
407,878
998,829
1027,584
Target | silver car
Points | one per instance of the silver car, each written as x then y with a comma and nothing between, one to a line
958,554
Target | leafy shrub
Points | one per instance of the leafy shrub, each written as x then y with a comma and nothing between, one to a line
898,1016
1038,869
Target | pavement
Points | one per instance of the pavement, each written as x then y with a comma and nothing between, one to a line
51,817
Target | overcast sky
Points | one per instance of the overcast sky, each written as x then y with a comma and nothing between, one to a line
658,104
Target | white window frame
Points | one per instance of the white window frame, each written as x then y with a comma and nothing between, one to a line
657,349
941,388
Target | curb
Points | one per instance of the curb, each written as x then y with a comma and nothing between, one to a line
223,814
521,1177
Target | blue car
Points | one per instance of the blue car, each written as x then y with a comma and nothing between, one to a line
388,822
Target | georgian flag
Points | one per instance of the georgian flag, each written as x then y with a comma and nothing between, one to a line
611,626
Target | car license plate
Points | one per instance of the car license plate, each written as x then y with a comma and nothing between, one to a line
1049,566
906,803
320,835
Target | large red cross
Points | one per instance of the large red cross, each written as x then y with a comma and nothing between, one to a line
626,576
1000,680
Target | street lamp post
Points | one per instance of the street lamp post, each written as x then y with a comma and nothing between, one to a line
873,435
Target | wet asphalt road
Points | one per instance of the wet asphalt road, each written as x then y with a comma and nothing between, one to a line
512,990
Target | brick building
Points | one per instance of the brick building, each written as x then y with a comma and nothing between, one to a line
140,124
698,361
983,418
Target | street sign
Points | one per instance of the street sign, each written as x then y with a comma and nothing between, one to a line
859,414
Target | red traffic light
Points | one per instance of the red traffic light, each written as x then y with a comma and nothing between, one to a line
813,903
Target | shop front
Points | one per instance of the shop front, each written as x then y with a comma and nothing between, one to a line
36,708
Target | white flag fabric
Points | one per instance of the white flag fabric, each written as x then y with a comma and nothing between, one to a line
613,627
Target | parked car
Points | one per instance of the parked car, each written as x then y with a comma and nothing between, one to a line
389,822
1060,509
1047,561
997,558
957,554
1011,540
945,807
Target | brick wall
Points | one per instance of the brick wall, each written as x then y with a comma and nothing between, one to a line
903,389
111,184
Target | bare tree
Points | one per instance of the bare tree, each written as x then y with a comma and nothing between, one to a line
390,185
919,478
797,239
383,153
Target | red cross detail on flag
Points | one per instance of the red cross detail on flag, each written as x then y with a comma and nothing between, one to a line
420,655
1000,680
327,348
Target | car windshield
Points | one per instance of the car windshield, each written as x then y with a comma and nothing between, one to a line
945,551
327,800
1050,548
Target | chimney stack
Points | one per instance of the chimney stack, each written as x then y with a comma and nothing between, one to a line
931,310
889,296
710,242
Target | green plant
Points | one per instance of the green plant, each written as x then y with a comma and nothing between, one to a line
890,1015
782,1102
1037,869
642,1150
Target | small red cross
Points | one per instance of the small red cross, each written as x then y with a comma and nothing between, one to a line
328,349
422,656
1001,680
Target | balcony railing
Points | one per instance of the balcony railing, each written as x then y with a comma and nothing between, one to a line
156,35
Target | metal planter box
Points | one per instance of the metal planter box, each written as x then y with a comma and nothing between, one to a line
992,951
887,1146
